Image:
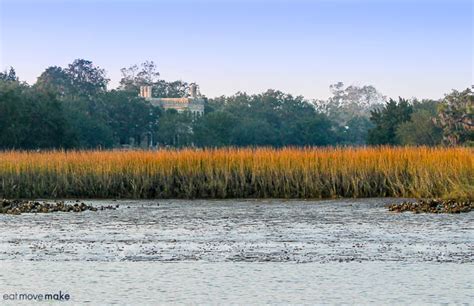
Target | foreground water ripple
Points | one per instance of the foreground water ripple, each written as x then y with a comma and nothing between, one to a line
239,231
244,252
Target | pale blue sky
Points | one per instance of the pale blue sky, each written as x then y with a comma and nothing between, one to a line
404,48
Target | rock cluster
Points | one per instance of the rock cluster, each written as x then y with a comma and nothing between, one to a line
434,206
17,207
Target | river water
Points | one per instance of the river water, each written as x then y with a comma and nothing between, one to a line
240,251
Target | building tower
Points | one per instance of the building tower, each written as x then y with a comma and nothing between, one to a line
193,90
145,92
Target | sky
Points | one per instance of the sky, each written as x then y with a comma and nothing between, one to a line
408,48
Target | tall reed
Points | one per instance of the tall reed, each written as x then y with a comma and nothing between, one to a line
239,173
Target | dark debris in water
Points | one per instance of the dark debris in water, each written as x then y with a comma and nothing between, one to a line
434,206
17,207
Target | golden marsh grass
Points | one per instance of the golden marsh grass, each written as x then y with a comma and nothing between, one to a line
240,173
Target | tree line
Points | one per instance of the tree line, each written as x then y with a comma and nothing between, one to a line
71,108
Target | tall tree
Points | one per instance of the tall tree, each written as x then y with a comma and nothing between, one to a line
456,118
147,74
272,118
8,75
139,75
81,88
349,109
31,119
420,129
175,129
215,129
86,79
387,120
355,132
130,117
175,89
349,102
55,79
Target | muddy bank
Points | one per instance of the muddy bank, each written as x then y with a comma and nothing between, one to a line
434,206
17,207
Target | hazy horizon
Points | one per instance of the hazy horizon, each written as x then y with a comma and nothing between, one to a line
410,49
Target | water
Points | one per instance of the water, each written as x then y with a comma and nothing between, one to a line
143,283
273,251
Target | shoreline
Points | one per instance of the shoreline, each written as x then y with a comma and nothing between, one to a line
432,206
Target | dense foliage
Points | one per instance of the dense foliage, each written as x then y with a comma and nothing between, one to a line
72,108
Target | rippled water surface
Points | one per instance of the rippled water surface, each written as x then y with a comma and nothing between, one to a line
241,251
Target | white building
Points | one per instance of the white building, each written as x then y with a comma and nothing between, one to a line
193,104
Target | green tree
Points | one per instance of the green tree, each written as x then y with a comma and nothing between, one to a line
175,129
31,119
139,75
147,74
215,129
355,132
456,118
129,116
90,128
86,79
420,129
310,131
9,75
272,118
11,107
387,120
55,79
81,90
175,89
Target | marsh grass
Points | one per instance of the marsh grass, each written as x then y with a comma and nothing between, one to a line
240,173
